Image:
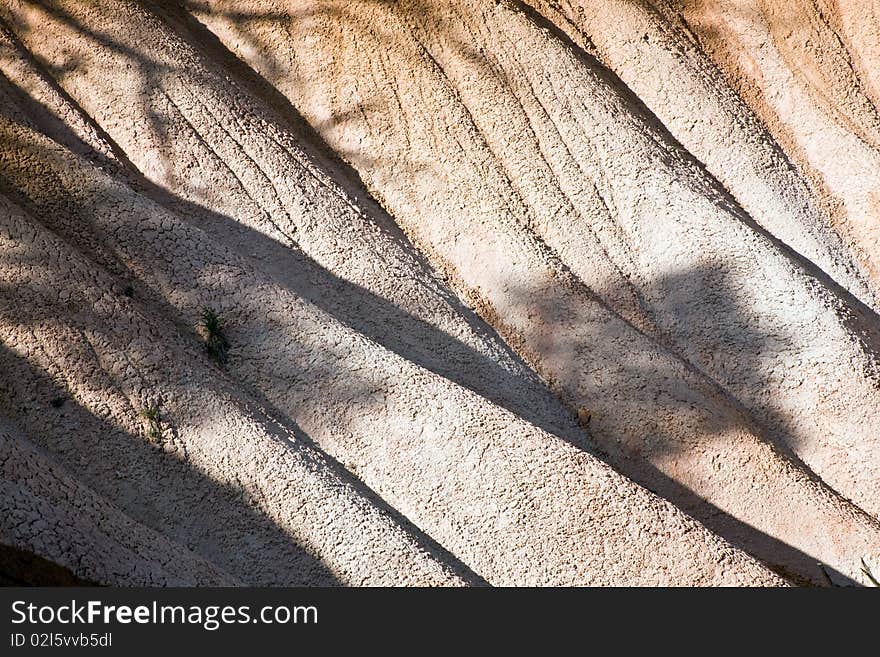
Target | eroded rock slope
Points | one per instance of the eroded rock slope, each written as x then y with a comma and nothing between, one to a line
514,293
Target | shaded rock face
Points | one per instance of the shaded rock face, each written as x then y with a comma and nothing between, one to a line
22,568
515,293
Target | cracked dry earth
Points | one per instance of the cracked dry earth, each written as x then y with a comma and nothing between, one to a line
515,293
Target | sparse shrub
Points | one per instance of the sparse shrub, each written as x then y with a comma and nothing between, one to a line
128,291
215,342
584,416
154,422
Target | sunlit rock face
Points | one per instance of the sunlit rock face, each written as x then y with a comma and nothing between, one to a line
441,293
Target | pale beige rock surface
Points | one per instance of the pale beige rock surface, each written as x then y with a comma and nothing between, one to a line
593,263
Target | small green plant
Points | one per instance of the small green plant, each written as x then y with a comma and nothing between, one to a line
828,581
154,422
215,342
867,572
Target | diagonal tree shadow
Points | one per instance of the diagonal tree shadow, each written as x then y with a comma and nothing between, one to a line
785,559
240,538
173,501
630,421
20,567
376,317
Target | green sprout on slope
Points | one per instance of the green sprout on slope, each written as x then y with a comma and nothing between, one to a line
215,342
866,571
154,422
